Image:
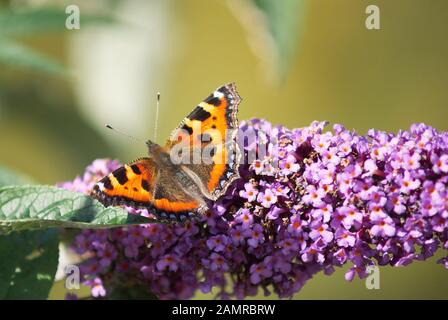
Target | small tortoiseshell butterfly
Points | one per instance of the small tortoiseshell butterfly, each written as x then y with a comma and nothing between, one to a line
174,190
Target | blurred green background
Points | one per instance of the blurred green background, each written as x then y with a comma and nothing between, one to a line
294,61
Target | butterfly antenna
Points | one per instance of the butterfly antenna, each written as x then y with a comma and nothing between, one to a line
108,126
157,117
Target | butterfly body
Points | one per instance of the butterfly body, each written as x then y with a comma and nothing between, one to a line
198,163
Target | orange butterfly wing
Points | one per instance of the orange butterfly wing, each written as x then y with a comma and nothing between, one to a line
216,118
141,184
132,182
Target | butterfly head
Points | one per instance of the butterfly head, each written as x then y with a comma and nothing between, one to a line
152,147
157,152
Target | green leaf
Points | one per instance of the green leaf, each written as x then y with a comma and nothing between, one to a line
28,263
28,21
274,30
29,259
9,177
37,207
283,21
14,54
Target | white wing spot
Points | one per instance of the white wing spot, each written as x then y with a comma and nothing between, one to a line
218,94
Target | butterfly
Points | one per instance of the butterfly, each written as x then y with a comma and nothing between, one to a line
196,165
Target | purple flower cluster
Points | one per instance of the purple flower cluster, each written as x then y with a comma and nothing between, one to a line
314,201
